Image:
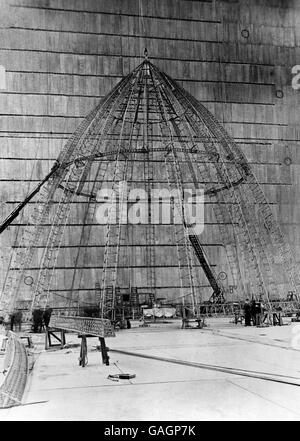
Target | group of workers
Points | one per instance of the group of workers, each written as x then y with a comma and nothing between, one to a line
40,320
253,312
12,322
16,321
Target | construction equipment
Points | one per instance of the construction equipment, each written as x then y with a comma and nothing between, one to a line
15,213
217,296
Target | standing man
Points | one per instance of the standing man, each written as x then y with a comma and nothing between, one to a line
247,312
258,311
12,321
18,320
47,315
37,315
7,321
253,311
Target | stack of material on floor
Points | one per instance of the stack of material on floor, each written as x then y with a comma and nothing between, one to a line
160,312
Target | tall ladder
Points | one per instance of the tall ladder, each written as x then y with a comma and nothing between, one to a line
55,236
119,302
174,177
134,301
151,299
149,179
115,215
98,295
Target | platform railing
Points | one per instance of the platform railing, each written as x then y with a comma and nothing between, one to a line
231,308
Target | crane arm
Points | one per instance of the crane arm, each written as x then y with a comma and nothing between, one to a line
218,295
15,213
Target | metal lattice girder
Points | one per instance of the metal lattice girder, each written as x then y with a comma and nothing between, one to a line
84,325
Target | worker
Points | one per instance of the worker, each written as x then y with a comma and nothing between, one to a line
12,321
258,311
47,315
247,312
37,316
253,311
18,320
2,328
6,321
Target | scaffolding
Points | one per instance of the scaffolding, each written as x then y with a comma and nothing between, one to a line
146,118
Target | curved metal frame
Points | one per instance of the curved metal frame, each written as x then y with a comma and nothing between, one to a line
187,135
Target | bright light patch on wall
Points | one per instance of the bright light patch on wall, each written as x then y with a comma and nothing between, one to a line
2,78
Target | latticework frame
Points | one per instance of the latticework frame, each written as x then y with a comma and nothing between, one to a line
149,125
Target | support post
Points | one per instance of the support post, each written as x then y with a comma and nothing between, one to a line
47,338
105,357
63,338
83,351
51,332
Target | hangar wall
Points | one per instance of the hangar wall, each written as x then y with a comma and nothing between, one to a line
235,56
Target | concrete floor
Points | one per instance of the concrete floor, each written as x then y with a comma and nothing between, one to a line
59,389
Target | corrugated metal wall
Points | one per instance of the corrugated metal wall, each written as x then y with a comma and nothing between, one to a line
235,56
